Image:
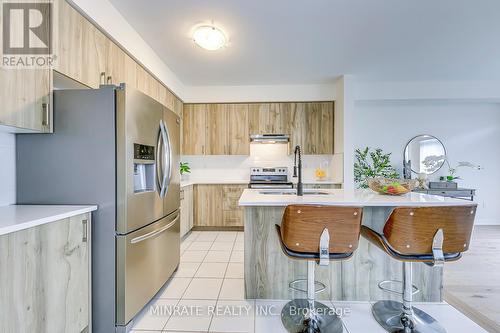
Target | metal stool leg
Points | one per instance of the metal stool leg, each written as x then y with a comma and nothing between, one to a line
307,315
396,317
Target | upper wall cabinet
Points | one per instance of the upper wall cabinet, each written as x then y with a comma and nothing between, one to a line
224,129
87,55
216,129
25,97
194,123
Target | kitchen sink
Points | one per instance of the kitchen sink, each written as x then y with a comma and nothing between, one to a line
295,192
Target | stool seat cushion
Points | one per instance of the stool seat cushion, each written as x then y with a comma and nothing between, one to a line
381,242
308,256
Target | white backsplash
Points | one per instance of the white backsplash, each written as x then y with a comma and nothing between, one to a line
237,168
7,169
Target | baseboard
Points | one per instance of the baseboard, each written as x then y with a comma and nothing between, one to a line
487,221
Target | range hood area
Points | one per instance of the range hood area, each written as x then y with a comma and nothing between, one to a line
269,138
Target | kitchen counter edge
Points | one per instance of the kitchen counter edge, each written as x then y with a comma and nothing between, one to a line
20,217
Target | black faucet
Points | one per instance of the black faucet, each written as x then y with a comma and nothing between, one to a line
300,187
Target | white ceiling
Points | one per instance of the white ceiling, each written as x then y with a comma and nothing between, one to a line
313,41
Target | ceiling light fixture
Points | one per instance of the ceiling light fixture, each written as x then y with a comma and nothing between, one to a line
209,37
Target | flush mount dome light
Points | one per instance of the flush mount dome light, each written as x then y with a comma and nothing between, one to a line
209,37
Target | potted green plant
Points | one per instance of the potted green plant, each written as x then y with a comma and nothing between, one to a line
184,168
452,171
372,164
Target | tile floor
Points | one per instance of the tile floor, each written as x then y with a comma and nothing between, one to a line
206,294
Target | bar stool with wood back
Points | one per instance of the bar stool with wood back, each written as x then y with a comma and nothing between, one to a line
316,234
430,235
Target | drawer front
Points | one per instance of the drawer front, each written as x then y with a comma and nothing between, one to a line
452,193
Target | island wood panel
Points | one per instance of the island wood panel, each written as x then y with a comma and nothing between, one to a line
268,271
217,130
239,136
50,291
193,129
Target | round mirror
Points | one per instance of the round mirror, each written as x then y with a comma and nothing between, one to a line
425,154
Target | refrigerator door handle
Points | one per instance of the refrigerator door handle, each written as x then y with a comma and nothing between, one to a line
164,153
154,233
168,149
159,158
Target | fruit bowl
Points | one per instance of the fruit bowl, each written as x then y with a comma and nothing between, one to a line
390,186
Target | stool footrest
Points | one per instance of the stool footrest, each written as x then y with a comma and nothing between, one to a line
386,284
292,285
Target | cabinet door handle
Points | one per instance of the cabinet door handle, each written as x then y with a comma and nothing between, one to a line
85,231
203,150
109,79
45,114
103,77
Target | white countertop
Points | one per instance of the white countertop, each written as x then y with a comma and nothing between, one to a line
243,181
337,197
18,217
214,181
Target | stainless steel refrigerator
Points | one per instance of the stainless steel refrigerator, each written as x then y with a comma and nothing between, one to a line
119,149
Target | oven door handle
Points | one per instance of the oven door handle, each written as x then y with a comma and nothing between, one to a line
154,233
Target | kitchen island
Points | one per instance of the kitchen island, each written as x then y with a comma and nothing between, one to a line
268,271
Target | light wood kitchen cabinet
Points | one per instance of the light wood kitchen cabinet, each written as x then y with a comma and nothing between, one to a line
45,272
318,128
232,213
228,126
193,129
266,118
208,205
217,130
187,213
239,135
216,206
82,48
25,97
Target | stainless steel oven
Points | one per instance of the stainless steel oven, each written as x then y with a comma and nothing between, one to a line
269,178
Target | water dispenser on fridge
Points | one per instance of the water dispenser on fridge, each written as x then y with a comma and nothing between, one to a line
144,168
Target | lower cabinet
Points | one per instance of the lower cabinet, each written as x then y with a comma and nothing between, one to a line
216,206
186,209
45,278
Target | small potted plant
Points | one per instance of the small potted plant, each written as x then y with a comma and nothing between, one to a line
185,169
452,171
